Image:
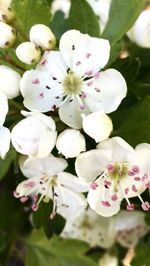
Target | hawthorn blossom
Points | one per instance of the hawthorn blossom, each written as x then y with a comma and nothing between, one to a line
35,135
115,171
70,79
47,180
140,32
91,228
4,132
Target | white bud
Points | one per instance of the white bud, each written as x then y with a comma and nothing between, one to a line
70,143
28,53
59,5
109,260
9,82
140,32
7,35
97,125
6,12
42,36
35,135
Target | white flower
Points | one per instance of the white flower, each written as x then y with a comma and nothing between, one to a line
115,172
70,143
6,13
28,53
9,82
97,125
42,36
109,260
140,32
7,35
70,79
46,180
91,228
131,226
59,5
35,135
101,9
4,132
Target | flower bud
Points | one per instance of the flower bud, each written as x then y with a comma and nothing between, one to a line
97,125
42,36
28,53
7,35
9,82
35,135
6,12
140,32
70,143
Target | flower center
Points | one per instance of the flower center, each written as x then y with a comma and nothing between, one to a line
72,84
116,172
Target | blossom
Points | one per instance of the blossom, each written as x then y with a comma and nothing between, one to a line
47,180
70,143
91,228
42,36
130,227
7,35
9,82
140,32
35,135
4,132
28,53
115,171
70,79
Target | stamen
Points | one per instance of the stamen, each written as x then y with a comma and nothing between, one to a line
94,185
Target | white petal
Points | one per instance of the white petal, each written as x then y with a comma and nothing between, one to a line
106,92
139,33
109,260
89,165
92,53
53,63
9,82
58,5
72,182
28,188
40,91
70,143
97,125
3,107
100,199
4,141
143,157
48,166
120,149
70,113
71,205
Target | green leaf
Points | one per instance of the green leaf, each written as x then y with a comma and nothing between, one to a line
135,125
142,257
55,252
122,15
28,13
59,24
6,163
41,218
83,18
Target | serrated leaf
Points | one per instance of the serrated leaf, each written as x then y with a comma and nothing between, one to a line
28,13
82,17
55,252
122,15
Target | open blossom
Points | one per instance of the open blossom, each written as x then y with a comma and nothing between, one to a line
35,135
130,227
140,32
4,132
91,228
70,79
115,172
47,180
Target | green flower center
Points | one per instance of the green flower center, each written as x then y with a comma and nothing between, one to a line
116,172
72,84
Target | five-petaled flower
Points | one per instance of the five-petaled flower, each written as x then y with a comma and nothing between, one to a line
115,171
71,80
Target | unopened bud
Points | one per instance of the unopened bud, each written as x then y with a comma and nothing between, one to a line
9,82
42,36
6,12
7,35
28,53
